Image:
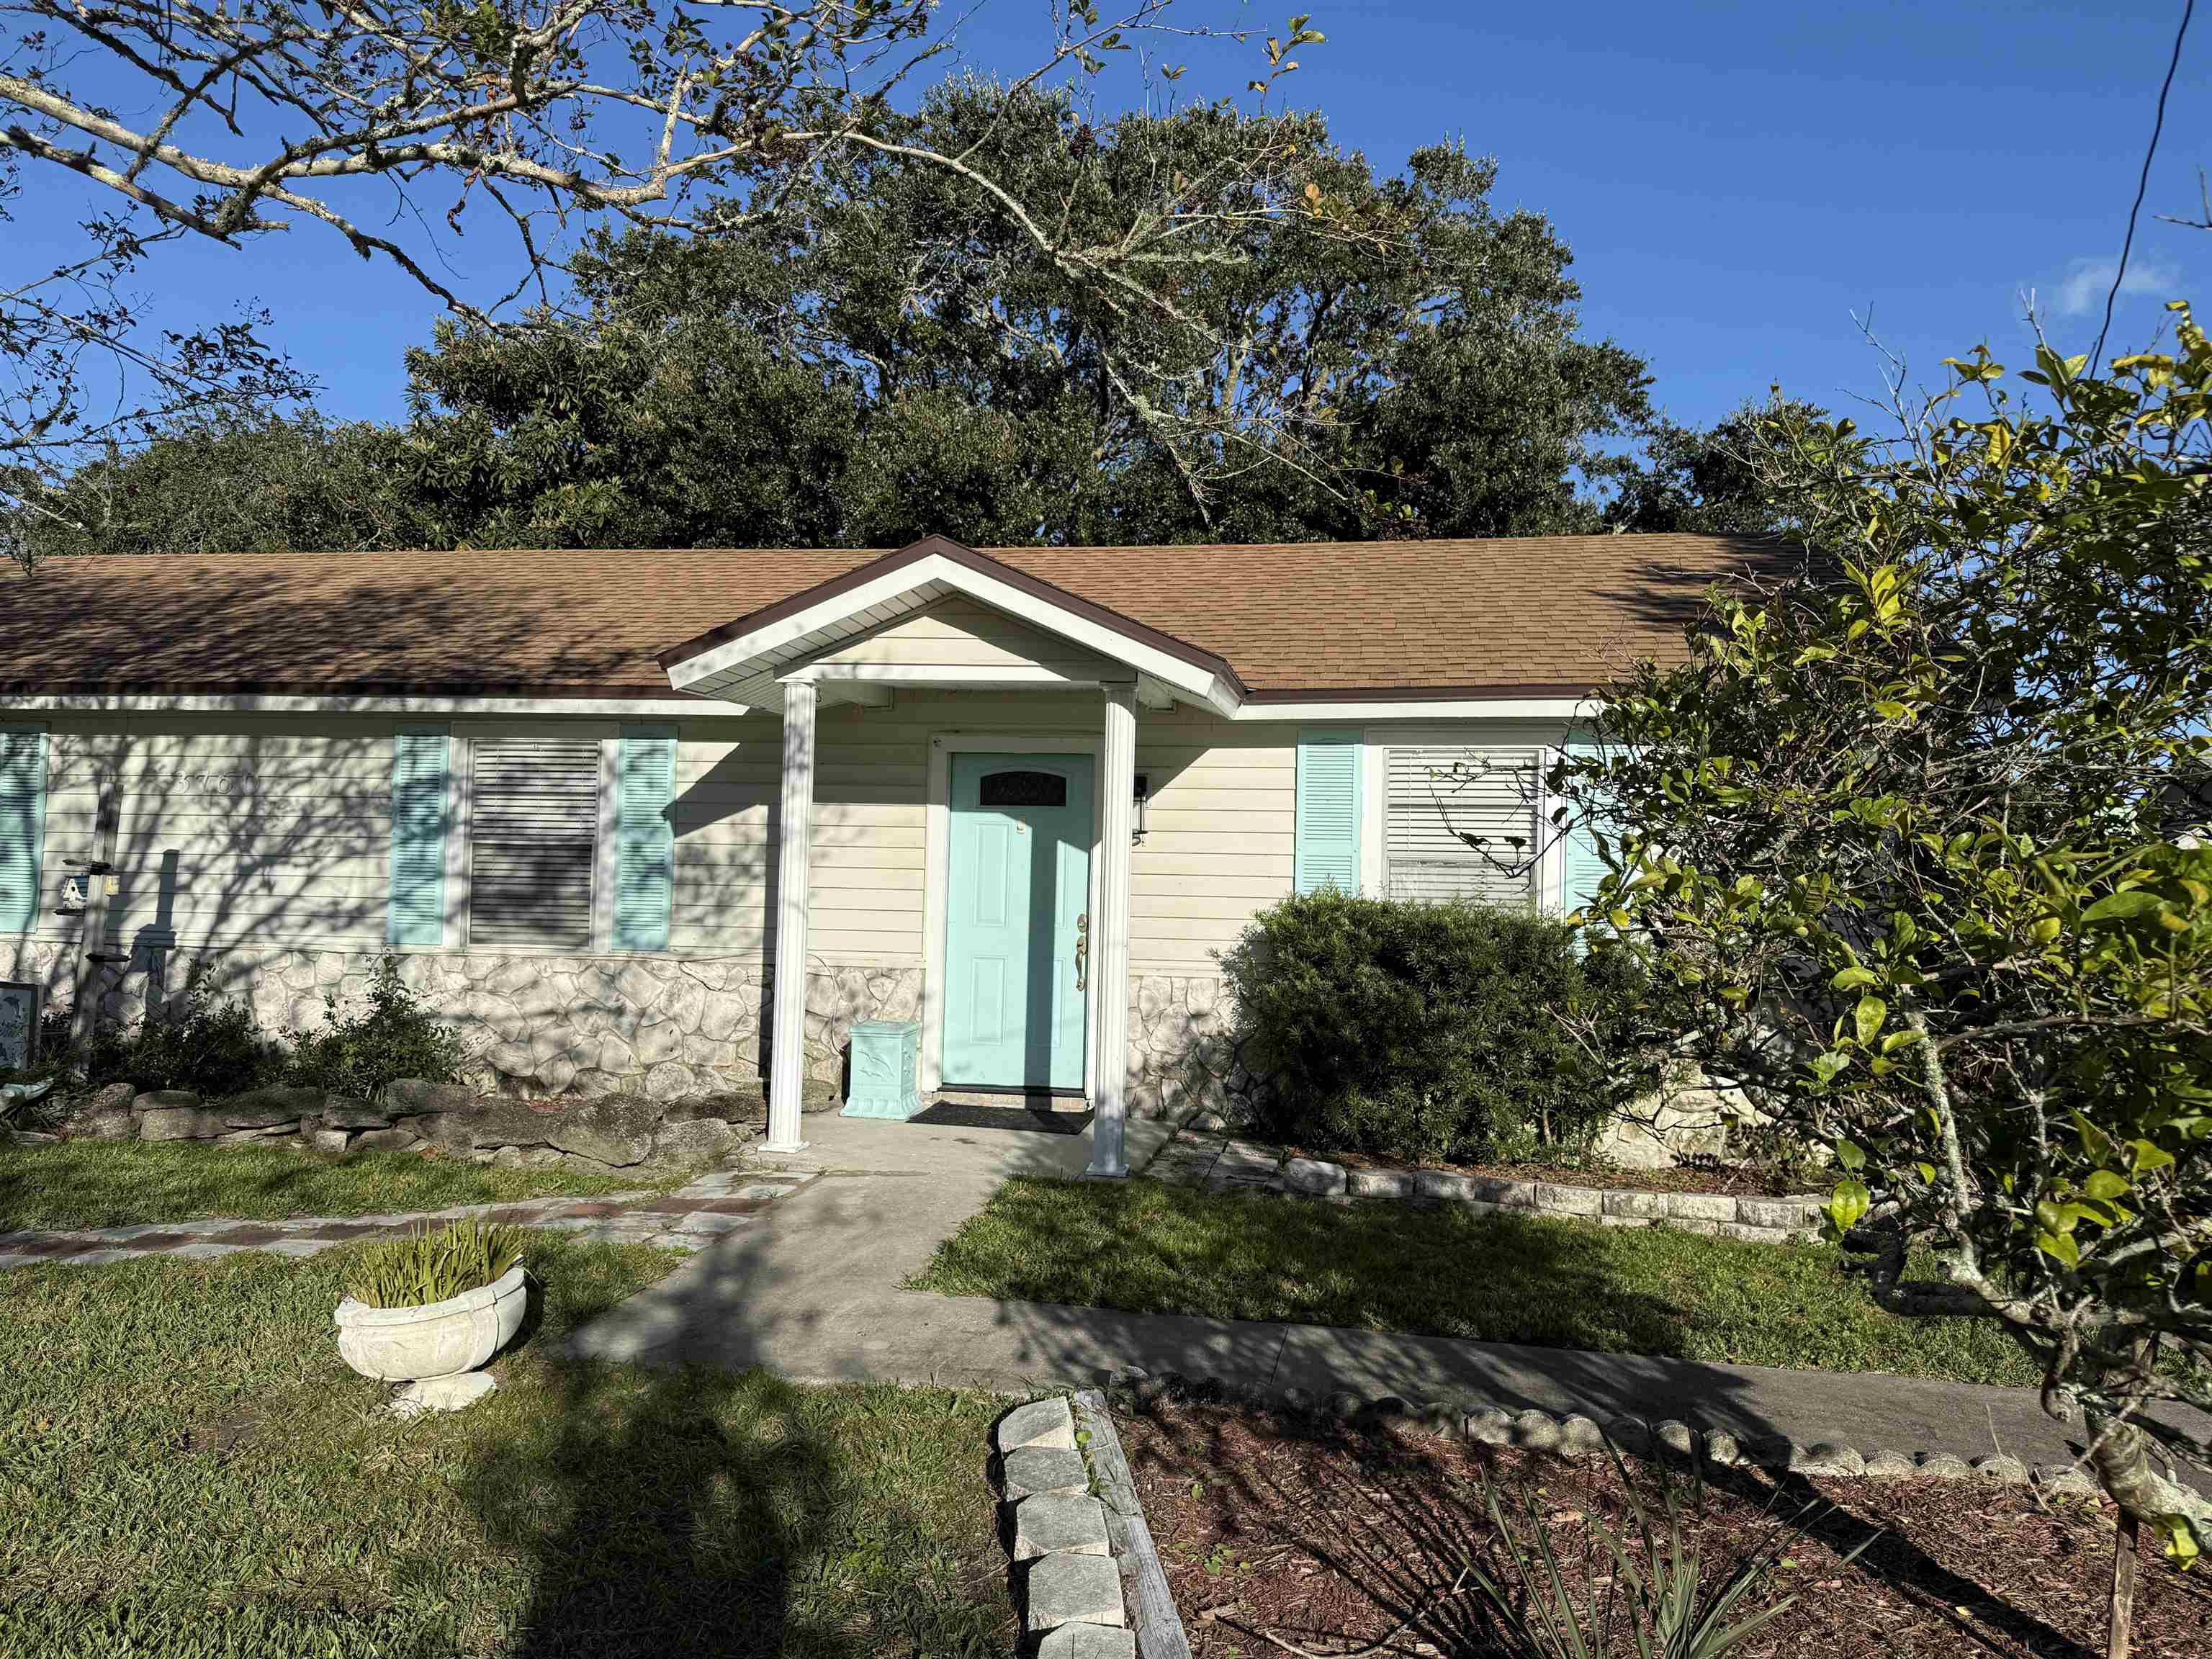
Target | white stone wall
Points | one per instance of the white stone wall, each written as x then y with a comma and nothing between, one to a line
1181,1056
666,1026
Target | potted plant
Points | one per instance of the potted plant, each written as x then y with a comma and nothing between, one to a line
429,1309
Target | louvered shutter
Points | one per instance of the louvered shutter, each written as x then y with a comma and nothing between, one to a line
416,913
1328,839
1461,823
22,826
533,838
645,839
1584,868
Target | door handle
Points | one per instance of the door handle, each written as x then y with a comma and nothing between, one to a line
1082,950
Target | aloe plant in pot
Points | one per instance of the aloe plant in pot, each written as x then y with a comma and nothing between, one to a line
429,1309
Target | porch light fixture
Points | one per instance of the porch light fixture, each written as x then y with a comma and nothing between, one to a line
1144,798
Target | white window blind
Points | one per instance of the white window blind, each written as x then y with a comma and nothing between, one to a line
1461,822
533,841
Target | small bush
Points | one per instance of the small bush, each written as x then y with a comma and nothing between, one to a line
395,1036
1431,1032
209,1047
429,1267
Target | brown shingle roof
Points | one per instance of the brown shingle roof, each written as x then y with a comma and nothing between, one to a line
1549,614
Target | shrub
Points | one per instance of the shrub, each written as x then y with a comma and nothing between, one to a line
209,1047
395,1036
1431,1031
429,1267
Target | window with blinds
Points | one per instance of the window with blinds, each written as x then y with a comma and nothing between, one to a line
1461,822
533,841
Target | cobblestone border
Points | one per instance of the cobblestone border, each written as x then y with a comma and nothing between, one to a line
1075,1531
690,1218
1218,1163
1573,1435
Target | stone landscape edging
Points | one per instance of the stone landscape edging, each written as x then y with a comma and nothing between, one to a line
1573,1435
1222,1164
1060,1459
598,1132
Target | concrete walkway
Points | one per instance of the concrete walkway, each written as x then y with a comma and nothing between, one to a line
814,1295
693,1215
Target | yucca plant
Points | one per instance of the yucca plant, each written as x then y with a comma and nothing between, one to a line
429,1267
1659,1602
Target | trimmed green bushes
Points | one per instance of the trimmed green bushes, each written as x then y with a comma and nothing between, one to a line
215,1048
1431,1032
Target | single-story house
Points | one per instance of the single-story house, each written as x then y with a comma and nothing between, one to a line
614,811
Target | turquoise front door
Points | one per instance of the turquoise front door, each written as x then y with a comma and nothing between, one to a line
1016,931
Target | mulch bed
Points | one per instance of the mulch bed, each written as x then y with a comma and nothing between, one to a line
1326,1538
1701,1176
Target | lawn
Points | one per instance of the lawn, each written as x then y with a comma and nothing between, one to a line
1151,1248
110,1183
187,1469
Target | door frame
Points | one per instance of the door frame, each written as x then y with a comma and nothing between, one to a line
938,838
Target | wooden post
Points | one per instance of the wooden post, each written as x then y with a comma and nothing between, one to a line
786,1078
2120,1629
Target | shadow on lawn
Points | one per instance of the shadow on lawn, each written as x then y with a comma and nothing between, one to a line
680,1513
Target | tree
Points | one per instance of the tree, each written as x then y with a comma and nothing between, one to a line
1906,844
223,483
1704,481
237,121
890,352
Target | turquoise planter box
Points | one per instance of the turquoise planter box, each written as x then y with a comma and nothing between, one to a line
886,1057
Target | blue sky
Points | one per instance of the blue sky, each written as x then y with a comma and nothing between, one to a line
1740,182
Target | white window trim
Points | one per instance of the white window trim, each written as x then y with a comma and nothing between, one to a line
461,913
1375,859
937,850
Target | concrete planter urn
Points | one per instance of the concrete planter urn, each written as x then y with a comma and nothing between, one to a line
439,1339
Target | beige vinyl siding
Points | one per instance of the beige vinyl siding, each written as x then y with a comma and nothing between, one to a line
281,831
959,633
865,871
281,824
1221,828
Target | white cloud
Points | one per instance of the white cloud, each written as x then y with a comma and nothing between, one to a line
2088,281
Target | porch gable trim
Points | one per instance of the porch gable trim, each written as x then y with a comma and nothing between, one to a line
756,647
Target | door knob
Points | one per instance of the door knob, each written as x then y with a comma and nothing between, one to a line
1082,951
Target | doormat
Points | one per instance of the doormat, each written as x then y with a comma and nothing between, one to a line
958,1114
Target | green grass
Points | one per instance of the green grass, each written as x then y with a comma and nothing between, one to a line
1150,1248
108,1184
187,1470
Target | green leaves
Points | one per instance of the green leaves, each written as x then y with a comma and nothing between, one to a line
2123,906
1847,1203
1867,1018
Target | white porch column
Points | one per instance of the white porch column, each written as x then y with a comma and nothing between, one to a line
787,1077
1109,932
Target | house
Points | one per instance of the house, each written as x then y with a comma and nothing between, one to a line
612,810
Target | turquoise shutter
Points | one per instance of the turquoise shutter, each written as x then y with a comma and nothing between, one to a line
22,826
1584,868
419,793
1329,765
645,837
